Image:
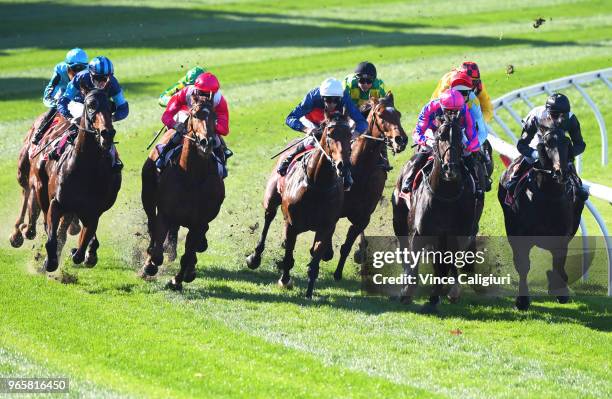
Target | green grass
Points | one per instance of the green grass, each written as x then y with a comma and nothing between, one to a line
233,332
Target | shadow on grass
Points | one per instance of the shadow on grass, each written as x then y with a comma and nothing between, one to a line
592,312
34,25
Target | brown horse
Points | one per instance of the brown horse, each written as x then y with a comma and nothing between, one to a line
28,155
546,215
80,183
385,128
189,194
443,212
311,198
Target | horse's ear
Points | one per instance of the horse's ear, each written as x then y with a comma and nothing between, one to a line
390,98
83,88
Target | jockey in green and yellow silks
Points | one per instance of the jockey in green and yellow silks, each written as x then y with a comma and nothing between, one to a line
364,84
189,79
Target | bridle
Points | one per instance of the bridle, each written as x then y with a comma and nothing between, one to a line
191,133
374,122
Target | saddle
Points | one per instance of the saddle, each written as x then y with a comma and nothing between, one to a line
173,156
304,155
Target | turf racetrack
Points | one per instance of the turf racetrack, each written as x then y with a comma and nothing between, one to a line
233,332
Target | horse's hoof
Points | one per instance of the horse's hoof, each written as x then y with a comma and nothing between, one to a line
288,285
158,260
188,277
50,265
308,295
522,302
150,270
174,286
77,257
30,234
91,259
74,228
563,299
359,256
453,299
328,255
429,308
405,300
16,240
203,246
338,275
253,261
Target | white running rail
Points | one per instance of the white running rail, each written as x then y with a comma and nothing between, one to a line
596,190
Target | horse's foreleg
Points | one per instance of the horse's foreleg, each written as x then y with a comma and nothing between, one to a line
91,256
322,242
557,278
53,217
345,249
62,233
16,237
171,242
33,213
148,198
411,270
520,256
254,260
90,225
288,260
440,270
360,253
187,273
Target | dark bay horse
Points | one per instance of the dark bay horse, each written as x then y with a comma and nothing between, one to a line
443,212
384,128
546,214
189,194
80,183
311,198
28,155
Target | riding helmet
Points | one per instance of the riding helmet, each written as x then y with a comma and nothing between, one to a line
101,66
207,82
451,99
558,102
331,87
461,81
366,68
76,56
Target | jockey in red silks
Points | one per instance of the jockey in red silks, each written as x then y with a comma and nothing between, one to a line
206,86
430,119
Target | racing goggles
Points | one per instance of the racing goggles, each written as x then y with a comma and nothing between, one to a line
331,100
76,68
207,95
365,80
100,81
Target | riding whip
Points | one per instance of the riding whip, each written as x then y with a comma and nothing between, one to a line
156,136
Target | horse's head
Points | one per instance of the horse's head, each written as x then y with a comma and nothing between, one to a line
202,121
385,122
98,117
553,153
448,145
336,141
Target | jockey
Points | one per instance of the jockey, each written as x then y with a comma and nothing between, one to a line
451,101
98,75
361,86
554,114
364,84
463,83
75,62
471,68
189,79
205,86
308,115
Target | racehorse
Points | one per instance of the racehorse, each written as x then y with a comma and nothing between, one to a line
81,183
189,194
545,213
384,128
311,196
28,155
442,213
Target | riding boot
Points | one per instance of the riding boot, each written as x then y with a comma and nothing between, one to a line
227,153
417,164
468,161
173,142
383,161
116,163
284,165
348,179
488,164
44,125
581,192
516,175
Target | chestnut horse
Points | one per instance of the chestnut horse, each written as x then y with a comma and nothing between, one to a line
311,197
546,214
443,212
80,183
384,128
28,155
189,194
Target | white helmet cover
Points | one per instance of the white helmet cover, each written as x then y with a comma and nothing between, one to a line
331,88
